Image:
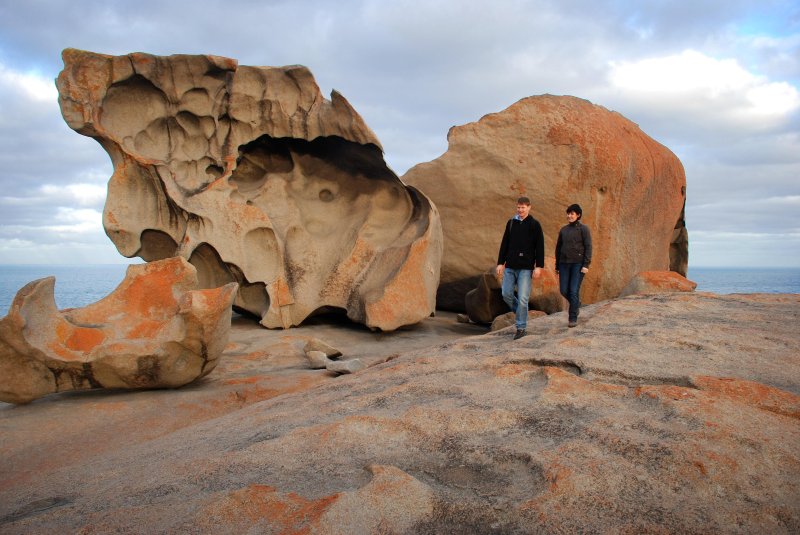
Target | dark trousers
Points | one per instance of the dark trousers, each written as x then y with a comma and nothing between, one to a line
570,278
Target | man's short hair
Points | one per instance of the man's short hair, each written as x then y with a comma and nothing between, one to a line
524,200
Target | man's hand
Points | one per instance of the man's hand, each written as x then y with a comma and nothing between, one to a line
537,272
584,270
499,270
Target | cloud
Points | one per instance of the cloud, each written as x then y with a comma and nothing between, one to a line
34,86
69,235
704,94
744,249
716,81
78,251
80,194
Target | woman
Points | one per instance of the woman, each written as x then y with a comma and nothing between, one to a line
573,256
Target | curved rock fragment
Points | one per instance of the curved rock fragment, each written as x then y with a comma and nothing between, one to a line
557,150
253,176
155,330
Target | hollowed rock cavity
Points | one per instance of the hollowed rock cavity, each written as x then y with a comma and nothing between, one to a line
155,330
254,177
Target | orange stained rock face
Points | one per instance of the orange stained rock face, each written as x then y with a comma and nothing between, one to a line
142,61
209,298
406,291
563,382
288,514
140,322
71,341
757,394
561,150
244,380
667,279
144,329
667,392
145,295
159,184
283,294
517,372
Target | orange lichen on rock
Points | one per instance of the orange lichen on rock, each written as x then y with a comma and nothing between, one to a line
153,331
557,150
561,382
649,282
265,183
262,505
759,395
405,294
514,371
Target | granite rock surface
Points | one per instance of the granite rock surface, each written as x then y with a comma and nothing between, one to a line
557,150
155,330
254,177
653,282
662,413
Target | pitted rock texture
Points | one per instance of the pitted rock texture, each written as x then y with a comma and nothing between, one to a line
155,330
557,150
671,413
254,177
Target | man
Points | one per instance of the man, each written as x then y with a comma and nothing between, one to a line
573,256
520,259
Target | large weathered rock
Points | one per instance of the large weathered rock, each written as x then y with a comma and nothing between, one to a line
254,177
672,413
155,330
558,151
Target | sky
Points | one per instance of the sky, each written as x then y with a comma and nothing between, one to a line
716,81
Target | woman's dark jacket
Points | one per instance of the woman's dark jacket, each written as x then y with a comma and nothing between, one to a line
574,245
523,244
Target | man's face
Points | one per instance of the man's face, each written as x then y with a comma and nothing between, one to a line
572,217
522,210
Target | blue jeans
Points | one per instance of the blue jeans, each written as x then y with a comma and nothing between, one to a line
521,279
570,278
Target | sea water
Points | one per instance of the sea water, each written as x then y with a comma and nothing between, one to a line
745,280
80,285
76,285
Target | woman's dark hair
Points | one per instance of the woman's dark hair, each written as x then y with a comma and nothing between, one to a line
576,208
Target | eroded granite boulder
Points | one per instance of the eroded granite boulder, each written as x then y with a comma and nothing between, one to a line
254,177
557,150
155,330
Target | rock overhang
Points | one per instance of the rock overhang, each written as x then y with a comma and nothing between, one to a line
254,177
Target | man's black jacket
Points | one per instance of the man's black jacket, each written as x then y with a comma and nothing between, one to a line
523,244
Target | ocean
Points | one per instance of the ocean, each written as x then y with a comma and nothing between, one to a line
76,285
746,280
79,285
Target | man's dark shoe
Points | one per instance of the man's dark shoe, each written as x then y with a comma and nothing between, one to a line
572,323
520,333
